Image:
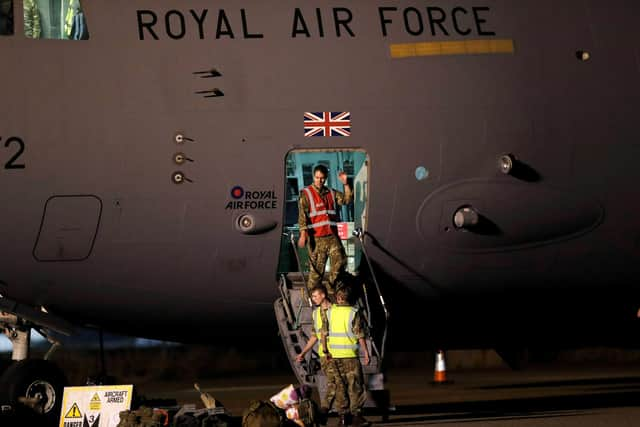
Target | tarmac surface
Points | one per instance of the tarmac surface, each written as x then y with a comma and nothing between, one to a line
566,395
595,395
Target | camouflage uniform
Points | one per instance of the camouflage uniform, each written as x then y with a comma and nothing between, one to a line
327,366
350,392
321,248
6,17
32,28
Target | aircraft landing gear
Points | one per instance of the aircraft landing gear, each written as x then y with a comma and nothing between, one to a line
29,385
34,384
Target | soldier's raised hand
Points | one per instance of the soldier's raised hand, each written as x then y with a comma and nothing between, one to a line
342,177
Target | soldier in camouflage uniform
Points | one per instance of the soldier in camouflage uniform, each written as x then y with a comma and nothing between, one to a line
32,27
347,333
6,17
319,331
317,221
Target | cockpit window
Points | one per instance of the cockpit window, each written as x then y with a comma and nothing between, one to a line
6,17
54,19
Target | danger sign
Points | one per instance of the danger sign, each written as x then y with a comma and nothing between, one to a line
94,406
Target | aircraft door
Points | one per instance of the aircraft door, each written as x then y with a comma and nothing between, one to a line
299,165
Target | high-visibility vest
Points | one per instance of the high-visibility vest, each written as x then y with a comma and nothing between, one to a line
68,21
317,322
322,212
343,343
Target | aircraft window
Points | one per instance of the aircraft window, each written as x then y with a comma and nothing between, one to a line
55,19
6,17
307,174
347,167
292,189
291,166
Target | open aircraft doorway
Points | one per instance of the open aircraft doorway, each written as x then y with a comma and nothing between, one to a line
299,165
294,308
55,19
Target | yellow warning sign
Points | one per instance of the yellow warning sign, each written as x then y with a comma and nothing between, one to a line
94,404
74,412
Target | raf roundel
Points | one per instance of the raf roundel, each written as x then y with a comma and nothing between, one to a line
237,192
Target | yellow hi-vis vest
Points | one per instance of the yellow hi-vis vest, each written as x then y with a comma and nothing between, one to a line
317,323
68,20
343,344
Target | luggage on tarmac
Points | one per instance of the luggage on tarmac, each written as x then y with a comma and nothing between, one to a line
304,413
285,397
308,412
262,413
147,417
266,414
186,420
215,421
202,420
291,406
143,417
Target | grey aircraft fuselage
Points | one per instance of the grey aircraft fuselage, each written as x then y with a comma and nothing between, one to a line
93,227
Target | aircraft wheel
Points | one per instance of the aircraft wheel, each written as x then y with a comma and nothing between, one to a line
34,386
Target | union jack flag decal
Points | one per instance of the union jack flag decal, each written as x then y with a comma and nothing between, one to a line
327,124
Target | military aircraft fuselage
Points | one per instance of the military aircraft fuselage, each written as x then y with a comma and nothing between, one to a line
501,146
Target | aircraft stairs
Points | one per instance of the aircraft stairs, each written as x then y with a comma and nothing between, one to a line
293,311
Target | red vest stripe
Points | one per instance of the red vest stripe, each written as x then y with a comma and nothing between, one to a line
322,212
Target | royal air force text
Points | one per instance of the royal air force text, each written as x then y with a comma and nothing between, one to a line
425,21
252,200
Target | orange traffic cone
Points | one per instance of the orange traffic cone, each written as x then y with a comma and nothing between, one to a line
440,372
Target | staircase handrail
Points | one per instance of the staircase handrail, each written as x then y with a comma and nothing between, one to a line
360,233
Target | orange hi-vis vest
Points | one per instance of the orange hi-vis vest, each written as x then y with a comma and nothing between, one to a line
322,212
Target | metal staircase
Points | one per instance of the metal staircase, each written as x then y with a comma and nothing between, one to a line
294,315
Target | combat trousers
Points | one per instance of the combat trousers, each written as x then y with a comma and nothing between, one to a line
322,248
331,373
350,393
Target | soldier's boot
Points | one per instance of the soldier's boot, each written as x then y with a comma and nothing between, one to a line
343,420
323,416
359,421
